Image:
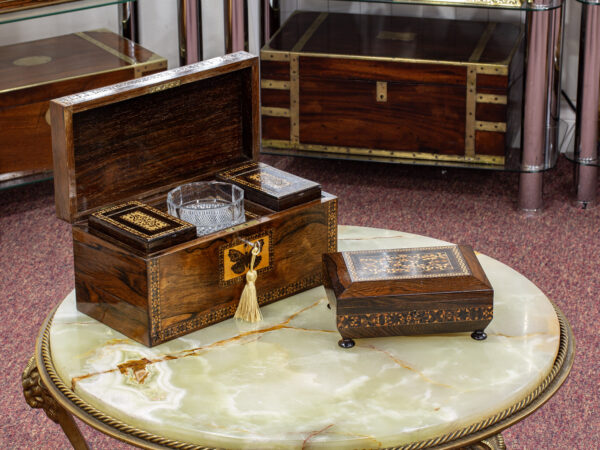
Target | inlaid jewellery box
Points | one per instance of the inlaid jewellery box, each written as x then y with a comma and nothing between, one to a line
410,291
33,73
135,141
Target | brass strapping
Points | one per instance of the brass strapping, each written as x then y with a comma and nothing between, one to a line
396,154
275,84
492,98
274,112
481,125
294,99
471,104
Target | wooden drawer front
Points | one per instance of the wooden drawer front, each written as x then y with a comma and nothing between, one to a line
415,117
368,70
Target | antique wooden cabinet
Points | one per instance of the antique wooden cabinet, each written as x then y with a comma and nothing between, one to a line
344,85
33,73
137,140
408,292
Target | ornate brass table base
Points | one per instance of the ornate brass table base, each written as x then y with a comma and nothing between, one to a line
37,396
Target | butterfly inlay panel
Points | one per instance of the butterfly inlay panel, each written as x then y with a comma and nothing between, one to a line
235,258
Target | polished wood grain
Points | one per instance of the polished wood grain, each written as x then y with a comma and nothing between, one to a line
129,142
142,138
373,70
18,5
490,143
277,98
396,37
274,70
276,128
419,117
32,73
422,298
113,283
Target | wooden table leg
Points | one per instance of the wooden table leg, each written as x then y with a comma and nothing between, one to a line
37,396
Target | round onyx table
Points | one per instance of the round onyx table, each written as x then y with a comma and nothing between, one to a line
285,382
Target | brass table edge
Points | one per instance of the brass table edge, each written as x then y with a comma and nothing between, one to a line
477,432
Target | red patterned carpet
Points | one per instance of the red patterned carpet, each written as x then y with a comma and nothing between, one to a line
558,250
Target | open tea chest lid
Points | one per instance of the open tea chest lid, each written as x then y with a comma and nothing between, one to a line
138,139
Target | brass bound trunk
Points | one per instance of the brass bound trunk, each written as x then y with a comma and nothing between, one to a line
135,141
393,88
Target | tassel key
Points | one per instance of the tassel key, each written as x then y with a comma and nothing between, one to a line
248,308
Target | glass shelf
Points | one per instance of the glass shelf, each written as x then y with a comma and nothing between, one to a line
516,5
52,10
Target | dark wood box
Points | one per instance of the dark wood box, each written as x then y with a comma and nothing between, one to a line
137,140
408,291
33,73
426,90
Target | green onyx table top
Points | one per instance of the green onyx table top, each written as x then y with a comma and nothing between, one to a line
285,383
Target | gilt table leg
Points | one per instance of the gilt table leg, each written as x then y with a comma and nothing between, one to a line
37,396
492,443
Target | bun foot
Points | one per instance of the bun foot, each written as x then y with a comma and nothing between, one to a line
346,343
479,335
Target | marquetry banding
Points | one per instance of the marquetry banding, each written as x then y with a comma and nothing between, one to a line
275,112
490,126
275,84
492,98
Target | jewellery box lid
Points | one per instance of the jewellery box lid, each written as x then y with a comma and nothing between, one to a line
138,139
414,274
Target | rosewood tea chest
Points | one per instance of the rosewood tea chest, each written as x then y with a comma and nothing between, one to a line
135,141
408,292
33,73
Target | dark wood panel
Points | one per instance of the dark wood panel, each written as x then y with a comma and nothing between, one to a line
416,117
110,268
57,89
293,29
121,45
501,43
491,81
64,56
357,69
490,112
274,70
188,129
128,319
25,140
278,98
276,128
17,5
490,143
394,37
